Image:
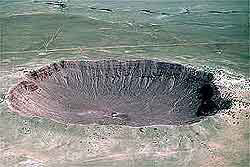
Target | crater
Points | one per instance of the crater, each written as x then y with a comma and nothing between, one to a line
132,93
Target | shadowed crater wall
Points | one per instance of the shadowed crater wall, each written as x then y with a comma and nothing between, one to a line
133,93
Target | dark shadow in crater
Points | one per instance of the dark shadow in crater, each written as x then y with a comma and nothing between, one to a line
211,101
132,93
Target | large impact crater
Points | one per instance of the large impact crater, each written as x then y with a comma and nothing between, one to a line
133,93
